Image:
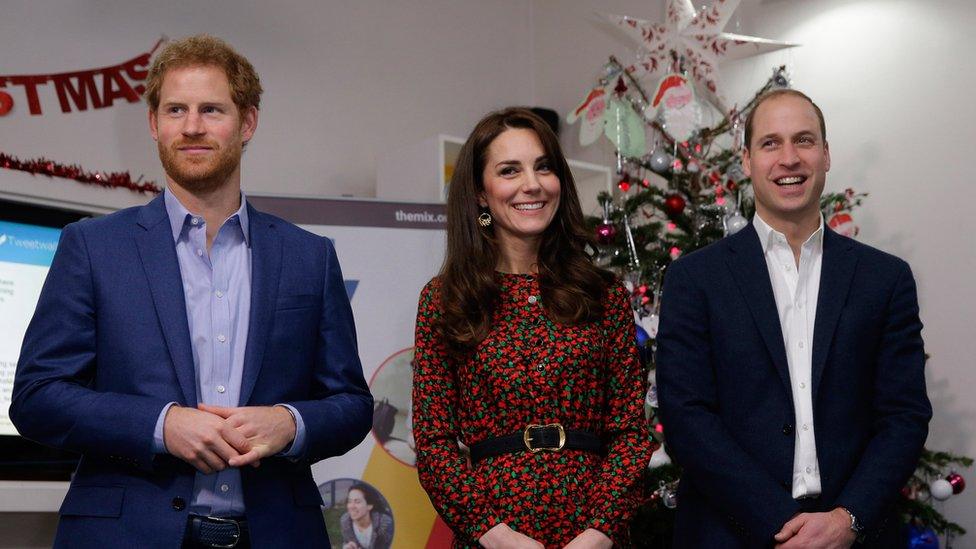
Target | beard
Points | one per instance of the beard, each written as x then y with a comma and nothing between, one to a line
199,174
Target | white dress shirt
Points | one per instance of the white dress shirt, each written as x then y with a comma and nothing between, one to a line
795,291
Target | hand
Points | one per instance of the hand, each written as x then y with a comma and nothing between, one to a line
590,539
269,429
202,439
502,537
822,530
350,545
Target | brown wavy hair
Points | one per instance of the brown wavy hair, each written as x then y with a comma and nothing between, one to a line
203,49
573,288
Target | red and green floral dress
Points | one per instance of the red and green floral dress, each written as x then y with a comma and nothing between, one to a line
531,370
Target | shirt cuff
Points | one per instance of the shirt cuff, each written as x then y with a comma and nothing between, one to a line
159,444
297,446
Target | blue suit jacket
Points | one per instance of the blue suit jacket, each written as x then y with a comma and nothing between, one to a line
727,406
109,346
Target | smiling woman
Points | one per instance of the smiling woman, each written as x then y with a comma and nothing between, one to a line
525,353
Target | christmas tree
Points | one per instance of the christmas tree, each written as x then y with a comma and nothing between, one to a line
680,186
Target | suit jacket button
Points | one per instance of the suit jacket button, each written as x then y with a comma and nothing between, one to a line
179,503
788,429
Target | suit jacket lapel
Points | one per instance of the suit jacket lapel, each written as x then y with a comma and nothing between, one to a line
836,273
748,265
158,253
265,271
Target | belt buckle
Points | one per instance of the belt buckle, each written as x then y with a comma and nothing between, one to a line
527,437
237,535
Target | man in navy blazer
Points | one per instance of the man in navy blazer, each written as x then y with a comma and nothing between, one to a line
198,353
790,363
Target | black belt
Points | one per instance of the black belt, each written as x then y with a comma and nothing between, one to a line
537,438
217,532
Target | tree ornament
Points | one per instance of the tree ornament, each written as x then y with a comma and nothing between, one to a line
660,162
674,205
605,233
940,489
958,483
592,112
631,246
650,398
670,499
735,223
625,128
624,183
693,166
695,36
920,537
675,103
658,458
842,223
621,87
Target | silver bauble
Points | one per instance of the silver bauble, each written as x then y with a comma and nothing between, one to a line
660,162
735,223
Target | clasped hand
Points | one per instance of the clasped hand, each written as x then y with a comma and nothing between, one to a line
828,530
501,536
212,438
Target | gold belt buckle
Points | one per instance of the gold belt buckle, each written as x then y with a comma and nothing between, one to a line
527,437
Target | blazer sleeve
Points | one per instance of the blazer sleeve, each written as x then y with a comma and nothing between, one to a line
736,485
457,494
54,401
339,412
901,410
615,494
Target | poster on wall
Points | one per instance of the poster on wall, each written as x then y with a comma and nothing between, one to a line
388,251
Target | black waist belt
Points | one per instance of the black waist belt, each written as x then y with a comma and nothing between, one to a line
216,532
537,438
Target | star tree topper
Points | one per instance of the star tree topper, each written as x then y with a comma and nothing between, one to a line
697,37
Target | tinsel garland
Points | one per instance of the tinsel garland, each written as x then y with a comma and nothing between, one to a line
50,168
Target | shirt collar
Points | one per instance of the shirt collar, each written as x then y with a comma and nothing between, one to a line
179,216
768,235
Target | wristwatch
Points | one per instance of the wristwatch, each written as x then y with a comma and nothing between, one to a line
856,525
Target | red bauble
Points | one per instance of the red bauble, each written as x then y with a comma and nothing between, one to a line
674,205
605,232
624,183
958,483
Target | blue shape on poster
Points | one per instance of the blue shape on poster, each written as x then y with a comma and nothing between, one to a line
922,538
351,287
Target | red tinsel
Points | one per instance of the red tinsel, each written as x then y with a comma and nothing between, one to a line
51,168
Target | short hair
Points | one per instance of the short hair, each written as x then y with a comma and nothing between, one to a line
204,49
750,118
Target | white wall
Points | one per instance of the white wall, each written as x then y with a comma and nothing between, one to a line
344,81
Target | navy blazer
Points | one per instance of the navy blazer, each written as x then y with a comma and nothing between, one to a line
109,347
727,406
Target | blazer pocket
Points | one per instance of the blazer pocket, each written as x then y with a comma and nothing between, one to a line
93,501
290,302
306,493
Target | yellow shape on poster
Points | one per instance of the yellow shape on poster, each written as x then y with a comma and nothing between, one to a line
413,516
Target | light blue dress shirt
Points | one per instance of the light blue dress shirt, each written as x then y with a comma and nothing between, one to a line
217,288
